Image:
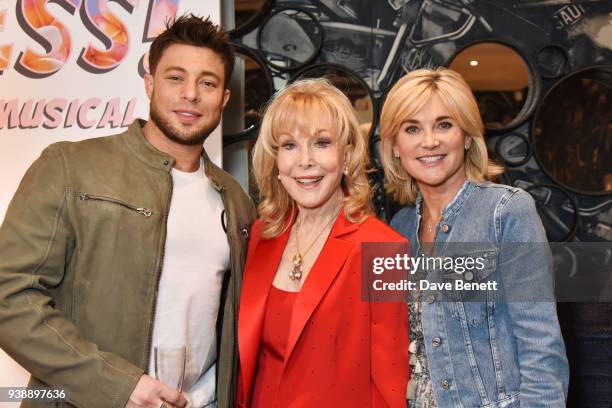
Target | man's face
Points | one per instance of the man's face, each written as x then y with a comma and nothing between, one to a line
187,93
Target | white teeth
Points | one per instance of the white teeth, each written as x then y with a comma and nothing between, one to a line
186,114
431,159
308,181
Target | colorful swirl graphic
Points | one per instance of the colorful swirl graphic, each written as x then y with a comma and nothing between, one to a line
115,37
49,32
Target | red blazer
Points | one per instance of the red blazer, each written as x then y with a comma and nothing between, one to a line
341,351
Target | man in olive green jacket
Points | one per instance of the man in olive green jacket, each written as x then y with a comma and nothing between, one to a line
82,244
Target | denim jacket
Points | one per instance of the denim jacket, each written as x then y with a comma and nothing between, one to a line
491,353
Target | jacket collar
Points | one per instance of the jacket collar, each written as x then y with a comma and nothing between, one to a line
146,152
322,274
453,207
214,173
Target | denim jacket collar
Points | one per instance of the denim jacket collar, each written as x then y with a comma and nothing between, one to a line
455,204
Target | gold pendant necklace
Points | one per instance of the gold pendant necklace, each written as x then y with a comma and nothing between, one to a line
298,257
296,272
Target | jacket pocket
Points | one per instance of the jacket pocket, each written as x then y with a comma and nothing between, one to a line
86,197
472,298
511,401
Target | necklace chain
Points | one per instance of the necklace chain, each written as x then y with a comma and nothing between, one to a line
298,258
428,225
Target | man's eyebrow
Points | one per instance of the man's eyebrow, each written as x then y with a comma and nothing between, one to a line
173,68
201,73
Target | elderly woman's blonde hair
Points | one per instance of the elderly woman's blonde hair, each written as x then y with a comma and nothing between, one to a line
307,105
408,96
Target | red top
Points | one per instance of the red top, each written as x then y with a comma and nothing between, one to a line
273,347
341,350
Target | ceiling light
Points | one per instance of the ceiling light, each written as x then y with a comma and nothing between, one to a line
473,63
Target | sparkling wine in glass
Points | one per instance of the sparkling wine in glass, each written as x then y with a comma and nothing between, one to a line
170,365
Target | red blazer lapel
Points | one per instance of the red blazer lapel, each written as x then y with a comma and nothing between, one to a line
326,267
258,277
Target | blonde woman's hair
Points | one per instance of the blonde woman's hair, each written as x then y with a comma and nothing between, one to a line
407,97
306,105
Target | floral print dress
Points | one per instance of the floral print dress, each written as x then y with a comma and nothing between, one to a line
420,392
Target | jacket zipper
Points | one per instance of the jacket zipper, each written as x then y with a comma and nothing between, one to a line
158,278
139,210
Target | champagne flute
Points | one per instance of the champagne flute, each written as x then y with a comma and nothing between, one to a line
170,365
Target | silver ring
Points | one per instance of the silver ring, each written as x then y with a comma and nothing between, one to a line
163,405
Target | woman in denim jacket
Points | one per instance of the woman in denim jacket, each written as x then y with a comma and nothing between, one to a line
499,346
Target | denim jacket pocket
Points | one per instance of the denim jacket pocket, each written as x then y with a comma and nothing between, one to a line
472,297
510,401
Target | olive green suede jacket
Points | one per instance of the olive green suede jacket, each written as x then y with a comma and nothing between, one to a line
81,251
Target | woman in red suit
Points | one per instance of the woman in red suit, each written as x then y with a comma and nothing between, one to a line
306,338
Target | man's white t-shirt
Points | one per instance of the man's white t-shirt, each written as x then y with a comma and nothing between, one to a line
196,257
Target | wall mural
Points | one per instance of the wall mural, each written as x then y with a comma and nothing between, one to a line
545,100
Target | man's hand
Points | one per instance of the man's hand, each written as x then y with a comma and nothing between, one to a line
150,393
